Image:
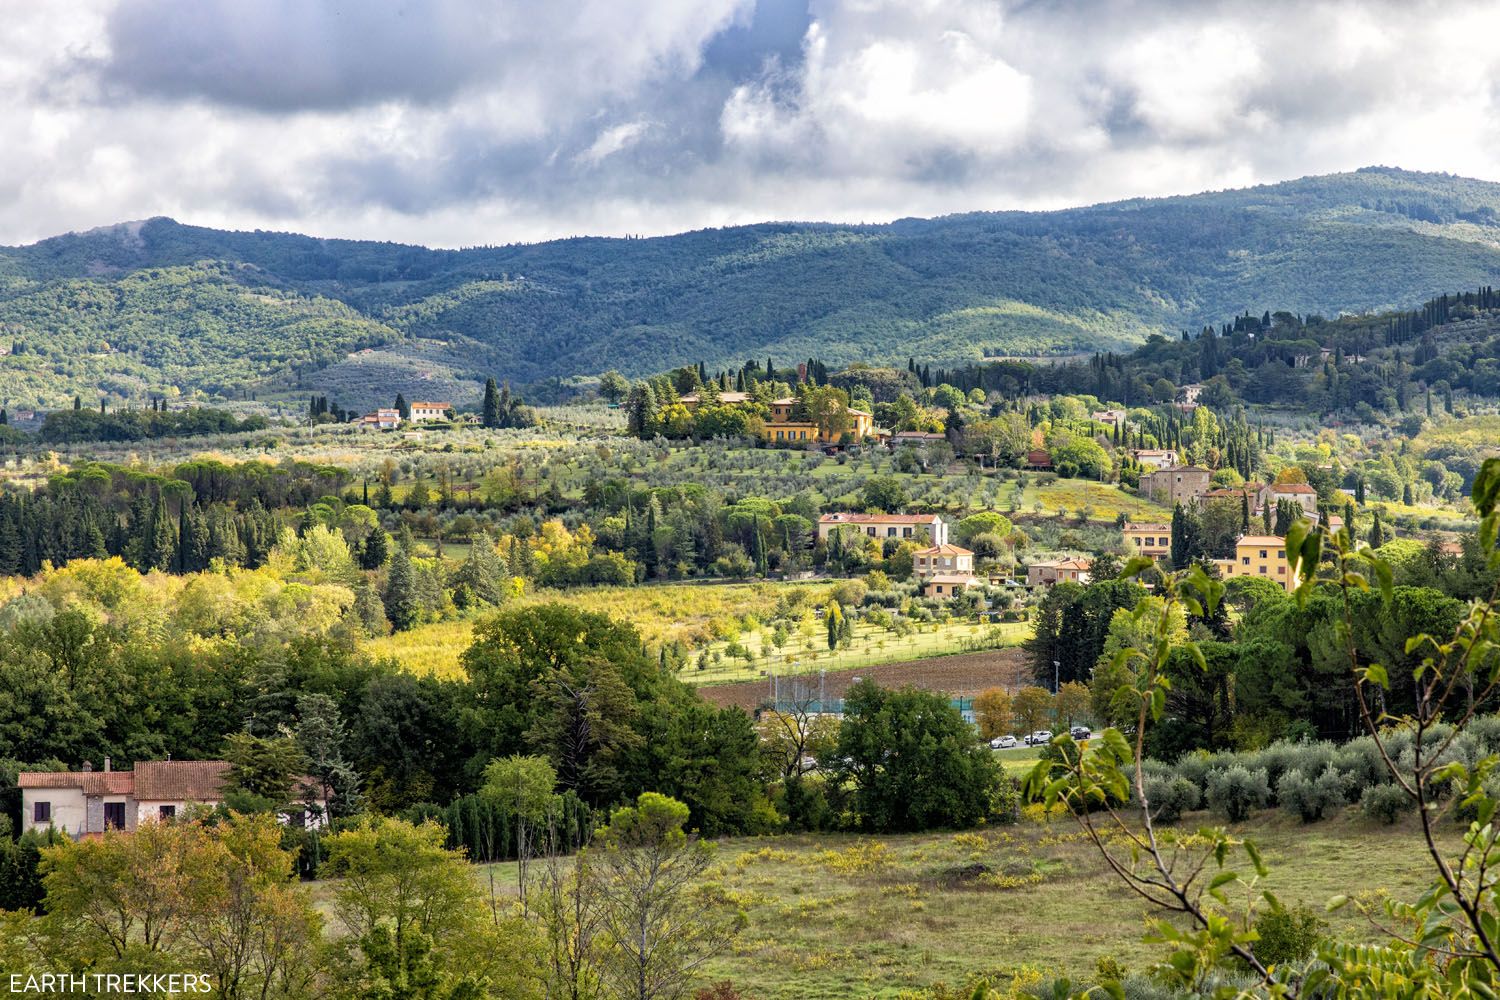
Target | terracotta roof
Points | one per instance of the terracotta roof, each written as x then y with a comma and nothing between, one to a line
951,578
1293,488
852,518
433,406
1075,564
946,549
89,782
1260,540
180,780
1148,527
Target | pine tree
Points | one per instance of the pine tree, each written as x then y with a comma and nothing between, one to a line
402,606
375,550
482,576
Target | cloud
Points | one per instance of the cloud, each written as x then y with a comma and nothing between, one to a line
451,122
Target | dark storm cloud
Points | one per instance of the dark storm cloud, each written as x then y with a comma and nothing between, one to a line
280,55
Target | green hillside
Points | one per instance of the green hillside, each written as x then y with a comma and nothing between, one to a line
271,307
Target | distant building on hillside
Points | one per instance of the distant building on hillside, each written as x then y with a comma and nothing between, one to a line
929,528
381,420
1154,458
944,570
781,428
1299,493
727,397
916,438
1176,484
1151,540
430,411
1049,572
86,802
1262,556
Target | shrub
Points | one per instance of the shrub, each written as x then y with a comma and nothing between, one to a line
1287,934
1236,791
1385,803
1171,797
1312,798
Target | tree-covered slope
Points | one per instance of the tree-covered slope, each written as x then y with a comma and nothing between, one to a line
950,289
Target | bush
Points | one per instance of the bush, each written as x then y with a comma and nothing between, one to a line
1312,798
1287,934
1171,797
1236,791
1385,803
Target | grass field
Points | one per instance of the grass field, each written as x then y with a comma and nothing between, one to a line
841,916
808,651
694,614
1105,501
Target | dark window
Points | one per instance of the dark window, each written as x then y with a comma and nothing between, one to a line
114,815
41,812
166,812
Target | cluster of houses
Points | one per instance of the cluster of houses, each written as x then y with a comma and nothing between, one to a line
84,802
389,418
943,569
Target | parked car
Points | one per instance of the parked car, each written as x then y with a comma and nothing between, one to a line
1039,738
1003,742
1081,732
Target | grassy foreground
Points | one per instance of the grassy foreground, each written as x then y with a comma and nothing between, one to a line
842,916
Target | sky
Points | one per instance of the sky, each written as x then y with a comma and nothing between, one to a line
468,122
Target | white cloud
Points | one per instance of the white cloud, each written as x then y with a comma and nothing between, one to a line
449,123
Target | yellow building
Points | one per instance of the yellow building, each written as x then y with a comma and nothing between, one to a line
780,427
1263,556
1151,540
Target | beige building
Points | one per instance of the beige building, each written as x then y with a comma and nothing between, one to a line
726,398
1154,458
1151,540
1045,574
944,570
929,528
89,802
1299,493
430,411
782,428
1176,484
1261,556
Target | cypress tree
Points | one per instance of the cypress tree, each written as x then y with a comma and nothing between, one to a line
491,415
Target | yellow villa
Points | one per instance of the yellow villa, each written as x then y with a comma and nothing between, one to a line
1151,540
1263,556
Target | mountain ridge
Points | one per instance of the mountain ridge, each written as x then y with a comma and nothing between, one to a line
950,288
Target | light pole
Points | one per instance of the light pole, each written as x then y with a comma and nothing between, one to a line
1055,665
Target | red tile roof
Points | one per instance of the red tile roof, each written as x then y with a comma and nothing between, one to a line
1293,488
89,782
850,518
180,780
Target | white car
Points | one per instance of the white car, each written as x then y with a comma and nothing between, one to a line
1039,738
1003,742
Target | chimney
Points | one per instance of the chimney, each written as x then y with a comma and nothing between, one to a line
88,765
106,765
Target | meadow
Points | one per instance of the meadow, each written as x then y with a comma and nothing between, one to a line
842,916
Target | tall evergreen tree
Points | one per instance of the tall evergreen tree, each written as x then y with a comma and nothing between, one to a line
491,415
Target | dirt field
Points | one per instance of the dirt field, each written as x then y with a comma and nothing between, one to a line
962,674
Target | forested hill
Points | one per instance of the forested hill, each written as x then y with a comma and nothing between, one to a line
143,307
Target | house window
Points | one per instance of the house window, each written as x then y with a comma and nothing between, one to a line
166,812
870,532
905,532
41,812
1262,553
940,588
1245,560
890,532
114,815
1262,571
